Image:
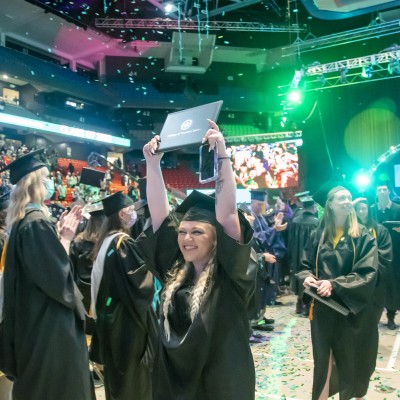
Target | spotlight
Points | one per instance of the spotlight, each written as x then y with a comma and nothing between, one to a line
294,96
367,72
362,180
169,7
394,67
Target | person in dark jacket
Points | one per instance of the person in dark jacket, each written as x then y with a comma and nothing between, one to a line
340,262
44,346
299,232
122,296
200,252
382,211
385,253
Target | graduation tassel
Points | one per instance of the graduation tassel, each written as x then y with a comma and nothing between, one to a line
310,314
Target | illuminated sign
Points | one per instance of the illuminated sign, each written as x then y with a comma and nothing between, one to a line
64,130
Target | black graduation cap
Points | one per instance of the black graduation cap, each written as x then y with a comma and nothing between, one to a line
91,177
275,193
97,213
307,201
258,195
140,206
321,195
115,202
196,199
198,207
302,194
56,210
24,165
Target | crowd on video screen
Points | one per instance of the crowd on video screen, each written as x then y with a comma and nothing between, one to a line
265,165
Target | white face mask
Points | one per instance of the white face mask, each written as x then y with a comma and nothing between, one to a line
129,218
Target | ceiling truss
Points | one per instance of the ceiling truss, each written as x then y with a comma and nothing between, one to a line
164,24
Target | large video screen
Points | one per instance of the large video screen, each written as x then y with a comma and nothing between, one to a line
266,165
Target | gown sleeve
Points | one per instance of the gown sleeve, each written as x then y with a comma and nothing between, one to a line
385,253
160,249
307,259
234,257
47,263
135,282
356,288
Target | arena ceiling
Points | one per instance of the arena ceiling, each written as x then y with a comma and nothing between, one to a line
246,37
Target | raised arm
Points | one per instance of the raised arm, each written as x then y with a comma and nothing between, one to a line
225,188
157,199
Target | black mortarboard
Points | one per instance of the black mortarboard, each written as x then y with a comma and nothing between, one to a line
302,194
115,202
198,207
307,201
321,195
91,177
24,165
258,195
274,193
97,213
140,206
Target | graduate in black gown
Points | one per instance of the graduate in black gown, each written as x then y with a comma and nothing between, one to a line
44,347
299,232
386,210
122,292
81,258
341,261
200,253
385,253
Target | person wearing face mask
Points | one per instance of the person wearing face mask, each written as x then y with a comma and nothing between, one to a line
50,188
385,252
122,295
340,261
43,347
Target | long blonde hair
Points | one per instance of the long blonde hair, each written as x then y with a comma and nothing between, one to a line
352,227
177,277
28,189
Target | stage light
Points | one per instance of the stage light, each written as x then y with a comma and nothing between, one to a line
394,67
169,7
367,72
294,97
362,180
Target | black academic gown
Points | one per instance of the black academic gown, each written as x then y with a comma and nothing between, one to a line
209,358
299,232
393,282
385,256
126,325
352,339
80,255
44,341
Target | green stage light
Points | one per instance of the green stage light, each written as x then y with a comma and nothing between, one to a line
362,180
294,97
